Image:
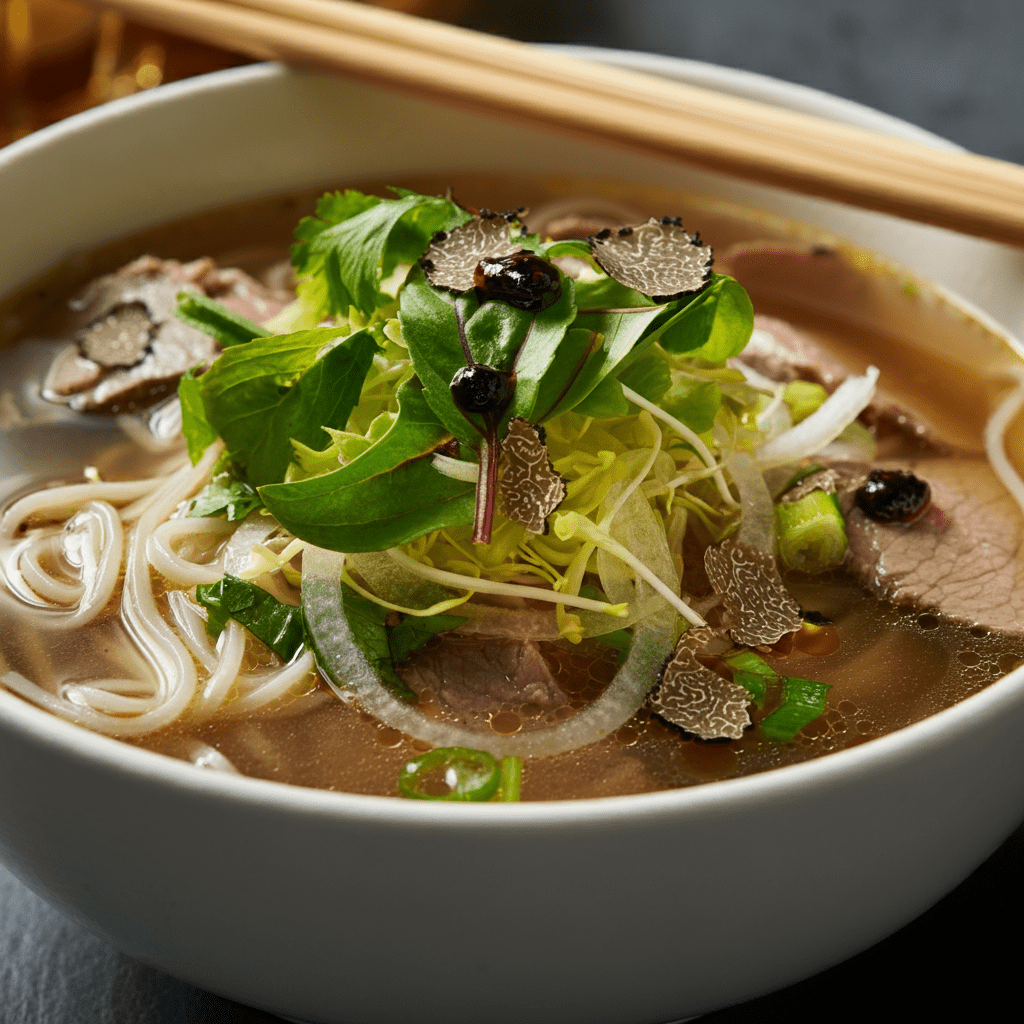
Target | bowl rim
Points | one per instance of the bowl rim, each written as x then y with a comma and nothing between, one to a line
106,753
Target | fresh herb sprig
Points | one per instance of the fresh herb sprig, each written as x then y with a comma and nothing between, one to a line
357,263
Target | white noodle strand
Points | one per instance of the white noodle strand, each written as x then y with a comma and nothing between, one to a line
995,439
179,570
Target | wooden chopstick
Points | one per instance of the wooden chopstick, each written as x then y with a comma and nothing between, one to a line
965,192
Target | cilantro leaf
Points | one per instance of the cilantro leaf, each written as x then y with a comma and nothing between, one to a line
261,396
368,241
280,626
389,495
226,495
216,320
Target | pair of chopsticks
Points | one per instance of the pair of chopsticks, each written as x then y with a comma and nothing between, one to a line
964,192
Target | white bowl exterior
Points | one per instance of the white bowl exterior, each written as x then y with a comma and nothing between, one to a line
345,909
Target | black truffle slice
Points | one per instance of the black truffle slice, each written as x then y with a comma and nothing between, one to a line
120,338
821,480
658,258
693,697
529,489
452,256
758,608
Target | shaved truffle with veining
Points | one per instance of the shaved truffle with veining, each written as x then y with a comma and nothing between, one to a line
758,608
694,698
451,258
117,363
529,488
657,258
822,480
119,338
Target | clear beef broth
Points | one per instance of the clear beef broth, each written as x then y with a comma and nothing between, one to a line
893,666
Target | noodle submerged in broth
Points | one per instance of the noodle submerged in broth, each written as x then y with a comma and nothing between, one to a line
483,513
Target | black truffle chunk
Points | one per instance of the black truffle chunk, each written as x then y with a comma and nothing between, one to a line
529,489
521,279
893,496
482,389
696,699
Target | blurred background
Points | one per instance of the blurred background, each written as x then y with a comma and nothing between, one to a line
952,66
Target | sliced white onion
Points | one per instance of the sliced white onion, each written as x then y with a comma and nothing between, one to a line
255,529
824,425
351,677
757,527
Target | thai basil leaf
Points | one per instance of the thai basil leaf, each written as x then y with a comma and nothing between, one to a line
226,495
606,401
195,426
498,335
714,326
216,320
366,621
415,630
606,293
577,247
619,334
648,374
389,495
262,395
280,626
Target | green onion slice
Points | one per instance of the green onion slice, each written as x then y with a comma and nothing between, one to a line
450,773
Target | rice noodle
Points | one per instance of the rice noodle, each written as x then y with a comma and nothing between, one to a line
169,563
120,706
995,438
88,549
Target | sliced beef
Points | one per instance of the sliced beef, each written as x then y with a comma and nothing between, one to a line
964,558
780,352
129,349
474,676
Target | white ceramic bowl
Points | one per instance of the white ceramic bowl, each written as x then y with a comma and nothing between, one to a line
337,908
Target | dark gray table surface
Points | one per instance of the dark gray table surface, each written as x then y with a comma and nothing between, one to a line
952,66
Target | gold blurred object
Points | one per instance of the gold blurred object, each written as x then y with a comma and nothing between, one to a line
58,57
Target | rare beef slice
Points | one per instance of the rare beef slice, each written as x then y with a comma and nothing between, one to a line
129,350
964,558
475,676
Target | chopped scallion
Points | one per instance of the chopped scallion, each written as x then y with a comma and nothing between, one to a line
510,782
810,533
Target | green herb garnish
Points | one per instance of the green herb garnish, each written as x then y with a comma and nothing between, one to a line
278,625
